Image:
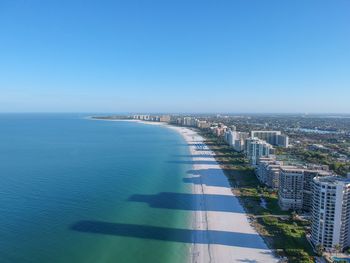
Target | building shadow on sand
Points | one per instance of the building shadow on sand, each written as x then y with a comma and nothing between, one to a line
209,177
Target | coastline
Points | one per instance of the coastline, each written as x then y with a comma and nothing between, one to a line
221,228
230,237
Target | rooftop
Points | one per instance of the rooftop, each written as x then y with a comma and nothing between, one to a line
332,179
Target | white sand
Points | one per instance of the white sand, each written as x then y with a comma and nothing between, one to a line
229,236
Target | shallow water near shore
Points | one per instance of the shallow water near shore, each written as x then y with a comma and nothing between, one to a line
78,190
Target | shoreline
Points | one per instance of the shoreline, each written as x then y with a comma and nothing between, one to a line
222,230
219,212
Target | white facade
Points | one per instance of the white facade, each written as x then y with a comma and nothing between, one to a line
256,148
331,212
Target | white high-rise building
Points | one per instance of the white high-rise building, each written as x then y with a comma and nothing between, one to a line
239,140
229,137
256,148
331,212
309,175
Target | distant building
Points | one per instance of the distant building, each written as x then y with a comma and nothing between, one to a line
219,130
272,137
203,124
331,212
229,137
164,118
188,121
282,140
142,117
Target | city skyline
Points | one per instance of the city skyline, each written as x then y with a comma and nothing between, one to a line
175,56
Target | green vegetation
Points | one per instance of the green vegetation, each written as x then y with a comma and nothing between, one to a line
319,157
281,230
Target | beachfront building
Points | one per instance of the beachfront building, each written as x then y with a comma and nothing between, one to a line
256,148
235,139
272,137
290,192
273,175
202,124
309,175
142,117
164,118
154,118
189,121
268,171
219,130
229,137
261,168
239,140
331,212
295,186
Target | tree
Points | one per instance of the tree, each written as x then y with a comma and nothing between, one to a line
337,248
319,249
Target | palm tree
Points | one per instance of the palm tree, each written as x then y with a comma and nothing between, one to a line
337,248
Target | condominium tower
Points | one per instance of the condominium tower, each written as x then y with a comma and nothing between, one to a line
331,212
256,148
290,193
272,137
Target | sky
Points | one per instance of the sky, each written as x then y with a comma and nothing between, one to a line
175,56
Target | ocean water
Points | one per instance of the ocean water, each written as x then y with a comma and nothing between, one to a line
79,190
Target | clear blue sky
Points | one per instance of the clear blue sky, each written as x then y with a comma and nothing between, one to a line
175,56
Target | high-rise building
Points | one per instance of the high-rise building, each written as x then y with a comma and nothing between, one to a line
272,137
239,140
256,148
189,121
229,137
290,192
261,169
203,124
331,212
164,118
268,171
295,186
309,175
273,175
282,140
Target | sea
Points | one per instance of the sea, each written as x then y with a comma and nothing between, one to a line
76,190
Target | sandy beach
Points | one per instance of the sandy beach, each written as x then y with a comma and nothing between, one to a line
226,235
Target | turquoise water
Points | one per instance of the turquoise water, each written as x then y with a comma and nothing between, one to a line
78,190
